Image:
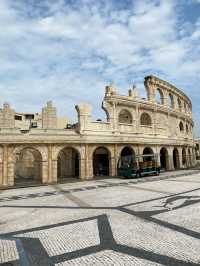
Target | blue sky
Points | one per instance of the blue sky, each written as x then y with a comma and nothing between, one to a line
67,51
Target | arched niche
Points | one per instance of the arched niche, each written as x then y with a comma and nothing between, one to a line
145,119
101,162
68,163
125,117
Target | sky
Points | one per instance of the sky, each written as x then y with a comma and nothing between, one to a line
69,50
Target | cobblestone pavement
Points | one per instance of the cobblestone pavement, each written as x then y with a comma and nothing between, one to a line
103,222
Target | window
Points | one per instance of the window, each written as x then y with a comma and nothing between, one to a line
187,129
125,117
145,119
179,105
159,96
29,116
171,101
18,117
181,127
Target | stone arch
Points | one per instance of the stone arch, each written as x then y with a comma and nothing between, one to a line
68,163
28,165
171,101
127,151
125,117
164,158
184,157
176,159
147,151
179,103
101,161
159,96
145,119
181,127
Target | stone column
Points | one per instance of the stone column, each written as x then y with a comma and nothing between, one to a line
180,157
171,161
45,172
88,163
113,169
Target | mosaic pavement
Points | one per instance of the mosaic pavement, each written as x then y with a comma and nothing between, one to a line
103,222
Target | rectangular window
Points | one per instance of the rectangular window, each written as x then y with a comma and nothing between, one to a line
18,117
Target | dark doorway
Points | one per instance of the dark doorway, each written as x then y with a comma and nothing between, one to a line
164,160
101,162
176,159
147,151
68,163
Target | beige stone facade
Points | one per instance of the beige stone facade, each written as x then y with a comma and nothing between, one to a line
160,124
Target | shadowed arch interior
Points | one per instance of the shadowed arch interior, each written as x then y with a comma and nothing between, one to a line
147,151
28,165
125,117
127,151
184,158
176,159
145,119
68,163
101,162
164,159
159,96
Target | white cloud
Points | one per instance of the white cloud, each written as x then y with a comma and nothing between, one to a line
71,52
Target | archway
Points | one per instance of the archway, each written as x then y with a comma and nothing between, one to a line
125,117
68,163
101,162
159,96
184,158
171,101
28,166
127,151
164,159
147,151
145,119
176,160
127,156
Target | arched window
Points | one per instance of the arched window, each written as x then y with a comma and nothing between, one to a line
179,104
159,96
125,117
187,129
171,101
145,119
185,107
181,127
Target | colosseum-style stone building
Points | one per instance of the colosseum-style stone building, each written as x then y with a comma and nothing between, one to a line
160,124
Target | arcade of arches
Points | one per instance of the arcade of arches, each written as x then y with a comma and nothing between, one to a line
51,164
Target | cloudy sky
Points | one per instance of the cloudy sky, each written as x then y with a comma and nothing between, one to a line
68,50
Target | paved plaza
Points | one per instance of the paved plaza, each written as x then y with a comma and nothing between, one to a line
103,222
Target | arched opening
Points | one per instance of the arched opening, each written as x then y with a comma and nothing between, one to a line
181,127
184,158
159,96
125,117
179,104
171,101
101,162
28,166
187,129
127,151
176,160
145,119
164,159
68,163
147,151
